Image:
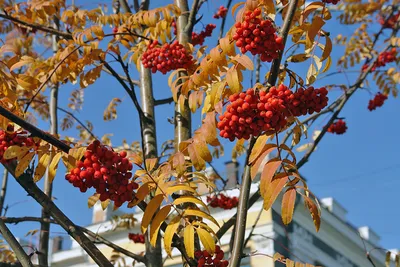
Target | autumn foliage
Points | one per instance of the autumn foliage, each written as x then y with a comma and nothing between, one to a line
260,86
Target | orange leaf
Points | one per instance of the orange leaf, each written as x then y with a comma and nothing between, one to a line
314,211
288,201
267,174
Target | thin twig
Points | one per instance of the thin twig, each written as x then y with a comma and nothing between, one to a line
39,27
221,29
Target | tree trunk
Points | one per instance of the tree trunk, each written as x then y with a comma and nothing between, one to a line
48,186
3,191
153,254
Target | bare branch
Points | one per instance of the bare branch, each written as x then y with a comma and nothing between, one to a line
36,26
15,245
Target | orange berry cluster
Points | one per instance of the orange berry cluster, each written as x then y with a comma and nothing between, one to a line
258,36
383,58
308,101
222,201
390,22
334,2
206,259
10,138
137,238
107,171
198,38
338,127
221,13
166,57
378,101
251,113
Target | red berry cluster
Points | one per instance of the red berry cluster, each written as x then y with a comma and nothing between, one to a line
334,2
221,13
338,127
10,138
390,22
383,58
258,36
137,238
378,101
198,38
251,113
173,24
308,101
107,171
206,259
166,57
222,201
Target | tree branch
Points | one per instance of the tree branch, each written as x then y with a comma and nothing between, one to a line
159,102
284,33
36,26
102,240
242,208
15,245
221,29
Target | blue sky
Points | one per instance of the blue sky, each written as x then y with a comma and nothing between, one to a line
360,169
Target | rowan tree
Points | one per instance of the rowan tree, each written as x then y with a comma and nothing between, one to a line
249,89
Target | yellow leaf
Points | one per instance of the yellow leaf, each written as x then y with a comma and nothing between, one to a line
191,199
232,78
23,164
278,257
289,263
92,200
151,208
169,234
327,65
156,223
207,240
311,74
315,27
188,240
14,151
53,166
328,48
199,213
298,58
150,164
173,189
197,160
69,161
288,201
41,167
136,159
28,82
104,204
142,192
245,61
296,135
258,147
